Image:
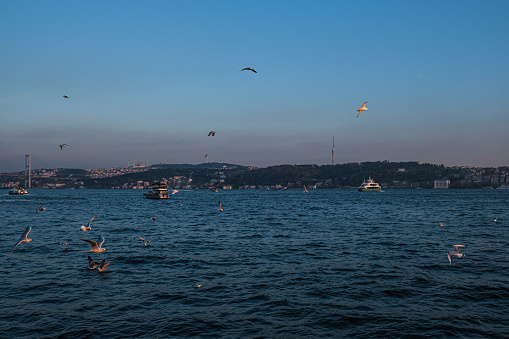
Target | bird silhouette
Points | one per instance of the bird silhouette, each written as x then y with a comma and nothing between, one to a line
248,69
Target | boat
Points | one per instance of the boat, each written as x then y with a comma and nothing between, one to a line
18,191
159,190
369,186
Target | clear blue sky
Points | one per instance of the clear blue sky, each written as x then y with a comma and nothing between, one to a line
149,79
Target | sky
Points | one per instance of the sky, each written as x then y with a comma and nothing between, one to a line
149,79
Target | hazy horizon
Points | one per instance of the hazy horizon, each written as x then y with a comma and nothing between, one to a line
149,80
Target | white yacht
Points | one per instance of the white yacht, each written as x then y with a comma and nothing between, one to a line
159,190
18,191
370,186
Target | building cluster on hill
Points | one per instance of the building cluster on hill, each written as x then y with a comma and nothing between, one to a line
397,175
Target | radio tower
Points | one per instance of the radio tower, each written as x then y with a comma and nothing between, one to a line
333,152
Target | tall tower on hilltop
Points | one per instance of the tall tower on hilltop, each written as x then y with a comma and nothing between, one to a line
333,152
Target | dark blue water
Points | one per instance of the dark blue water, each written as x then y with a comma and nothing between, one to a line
342,264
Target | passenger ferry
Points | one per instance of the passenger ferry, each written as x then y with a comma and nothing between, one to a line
159,190
18,191
370,186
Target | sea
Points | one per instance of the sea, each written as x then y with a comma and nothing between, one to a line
272,264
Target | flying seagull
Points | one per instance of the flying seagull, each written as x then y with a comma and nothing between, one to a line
456,253
91,263
211,133
286,185
496,219
62,146
363,108
153,218
40,209
248,69
214,188
220,207
145,241
102,265
66,97
22,238
95,247
64,243
85,229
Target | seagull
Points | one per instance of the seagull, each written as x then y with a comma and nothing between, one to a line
456,253
40,209
153,218
174,192
214,188
496,219
145,241
248,69
305,189
95,247
102,265
85,229
64,243
62,146
198,285
441,224
212,133
91,263
66,97
363,108
22,238
286,185
220,207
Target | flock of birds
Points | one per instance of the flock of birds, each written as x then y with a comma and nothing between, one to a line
213,133
95,246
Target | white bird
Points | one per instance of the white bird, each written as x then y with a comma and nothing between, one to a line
145,241
220,207
441,224
174,192
455,253
95,247
85,229
305,189
363,108
198,285
496,219
22,238
91,264
102,265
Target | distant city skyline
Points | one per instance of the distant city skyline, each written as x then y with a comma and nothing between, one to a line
149,80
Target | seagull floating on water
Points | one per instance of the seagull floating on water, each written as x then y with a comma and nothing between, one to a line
62,146
22,238
456,253
85,229
95,247
92,264
441,224
248,69
496,219
64,243
211,133
145,241
102,265
363,108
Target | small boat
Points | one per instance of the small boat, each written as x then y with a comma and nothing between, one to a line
369,186
159,190
18,191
